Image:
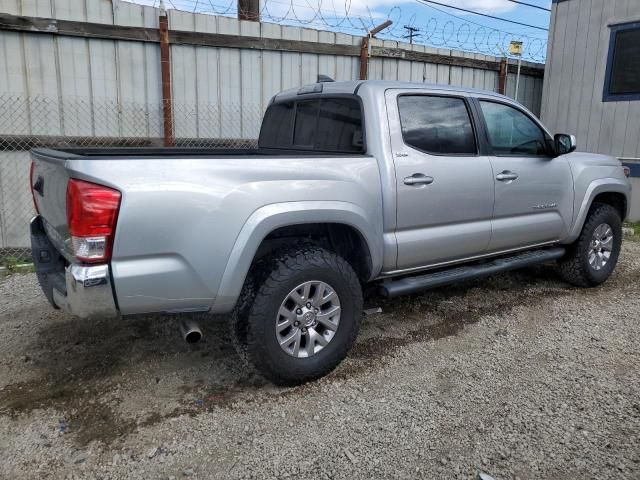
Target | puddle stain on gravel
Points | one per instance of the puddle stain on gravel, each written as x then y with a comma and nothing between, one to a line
81,363
76,359
88,419
79,387
82,414
505,292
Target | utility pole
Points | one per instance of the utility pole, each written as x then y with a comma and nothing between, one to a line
411,32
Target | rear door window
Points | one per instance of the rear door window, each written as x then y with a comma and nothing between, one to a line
437,125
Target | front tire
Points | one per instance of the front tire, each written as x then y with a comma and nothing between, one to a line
591,259
299,315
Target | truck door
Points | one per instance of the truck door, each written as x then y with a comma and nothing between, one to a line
444,186
533,190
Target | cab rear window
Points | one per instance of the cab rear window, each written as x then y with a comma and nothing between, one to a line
320,124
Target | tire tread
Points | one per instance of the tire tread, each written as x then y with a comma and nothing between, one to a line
572,267
266,277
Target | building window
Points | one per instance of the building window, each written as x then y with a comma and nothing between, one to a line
622,78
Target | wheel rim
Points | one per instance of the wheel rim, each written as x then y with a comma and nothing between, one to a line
308,319
601,246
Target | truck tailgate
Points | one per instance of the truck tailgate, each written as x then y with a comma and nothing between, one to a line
71,283
49,181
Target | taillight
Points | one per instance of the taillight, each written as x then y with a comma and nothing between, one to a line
31,183
92,211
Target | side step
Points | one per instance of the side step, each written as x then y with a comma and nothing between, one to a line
395,288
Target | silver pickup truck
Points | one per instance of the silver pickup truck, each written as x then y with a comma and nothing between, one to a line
404,186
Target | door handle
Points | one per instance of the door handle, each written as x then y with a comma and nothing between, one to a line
418,179
506,176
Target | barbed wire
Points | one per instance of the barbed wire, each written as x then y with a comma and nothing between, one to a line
459,34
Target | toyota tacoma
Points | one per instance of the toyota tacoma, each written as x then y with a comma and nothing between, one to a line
401,186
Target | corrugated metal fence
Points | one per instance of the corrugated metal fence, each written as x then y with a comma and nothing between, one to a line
87,72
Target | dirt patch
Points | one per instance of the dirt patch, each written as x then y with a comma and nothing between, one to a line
446,311
82,414
83,364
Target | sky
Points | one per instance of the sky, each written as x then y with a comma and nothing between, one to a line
437,25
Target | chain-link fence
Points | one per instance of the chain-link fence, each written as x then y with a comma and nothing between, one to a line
51,122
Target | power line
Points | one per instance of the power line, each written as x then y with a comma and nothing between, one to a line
482,25
530,5
482,14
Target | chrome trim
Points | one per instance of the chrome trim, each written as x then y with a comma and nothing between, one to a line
89,293
394,273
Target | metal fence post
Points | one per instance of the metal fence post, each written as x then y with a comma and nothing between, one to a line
165,67
502,76
364,58
365,48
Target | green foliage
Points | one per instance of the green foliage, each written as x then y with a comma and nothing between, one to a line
13,265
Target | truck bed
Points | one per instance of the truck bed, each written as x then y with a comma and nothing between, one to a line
181,152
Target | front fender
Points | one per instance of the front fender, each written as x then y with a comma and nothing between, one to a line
596,187
270,217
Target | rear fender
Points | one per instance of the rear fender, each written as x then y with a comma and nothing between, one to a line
270,217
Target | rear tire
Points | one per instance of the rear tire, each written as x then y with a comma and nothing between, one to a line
591,259
309,300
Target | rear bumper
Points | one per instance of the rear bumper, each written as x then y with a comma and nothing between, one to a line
81,290
88,292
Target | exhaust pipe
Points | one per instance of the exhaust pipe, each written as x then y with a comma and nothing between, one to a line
190,331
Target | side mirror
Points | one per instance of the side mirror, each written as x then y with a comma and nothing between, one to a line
564,143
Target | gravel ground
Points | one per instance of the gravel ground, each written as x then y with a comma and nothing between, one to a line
518,376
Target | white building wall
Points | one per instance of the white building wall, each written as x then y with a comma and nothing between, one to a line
575,75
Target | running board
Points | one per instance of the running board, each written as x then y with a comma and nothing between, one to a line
394,288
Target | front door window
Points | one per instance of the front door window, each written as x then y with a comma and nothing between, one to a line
511,132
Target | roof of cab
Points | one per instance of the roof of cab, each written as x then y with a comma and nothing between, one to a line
351,87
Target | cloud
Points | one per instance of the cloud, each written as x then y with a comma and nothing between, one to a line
483,6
